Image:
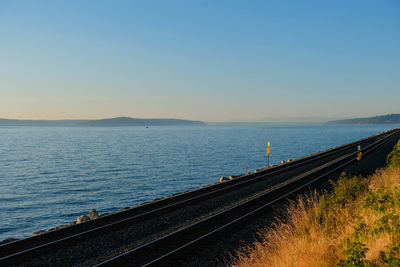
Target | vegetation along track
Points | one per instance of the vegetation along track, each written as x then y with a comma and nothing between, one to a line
176,246
20,251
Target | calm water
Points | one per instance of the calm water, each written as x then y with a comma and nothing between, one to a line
49,176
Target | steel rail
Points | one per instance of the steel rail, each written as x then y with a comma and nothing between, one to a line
170,246
16,249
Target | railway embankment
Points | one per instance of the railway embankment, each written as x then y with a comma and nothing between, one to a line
356,224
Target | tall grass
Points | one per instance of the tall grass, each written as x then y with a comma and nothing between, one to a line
357,224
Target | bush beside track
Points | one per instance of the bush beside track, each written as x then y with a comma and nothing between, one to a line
356,224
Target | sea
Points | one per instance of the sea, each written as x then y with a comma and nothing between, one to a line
51,175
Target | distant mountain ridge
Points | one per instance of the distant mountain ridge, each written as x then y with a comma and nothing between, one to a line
119,121
384,119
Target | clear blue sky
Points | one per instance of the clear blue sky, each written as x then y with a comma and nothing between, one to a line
204,60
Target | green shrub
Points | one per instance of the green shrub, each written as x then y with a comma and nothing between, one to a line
393,256
355,254
361,230
388,223
345,191
393,159
383,199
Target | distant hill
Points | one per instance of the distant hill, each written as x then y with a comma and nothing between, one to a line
120,121
385,119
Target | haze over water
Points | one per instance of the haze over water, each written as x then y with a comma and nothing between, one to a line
51,175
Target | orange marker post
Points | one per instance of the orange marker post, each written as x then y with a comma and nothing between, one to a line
268,150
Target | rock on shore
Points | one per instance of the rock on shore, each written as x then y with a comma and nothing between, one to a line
93,214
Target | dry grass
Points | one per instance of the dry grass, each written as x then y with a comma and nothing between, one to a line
294,242
346,227
386,178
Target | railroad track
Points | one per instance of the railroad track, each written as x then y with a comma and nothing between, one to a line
167,250
18,251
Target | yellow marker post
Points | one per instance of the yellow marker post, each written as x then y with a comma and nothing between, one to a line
359,156
268,150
